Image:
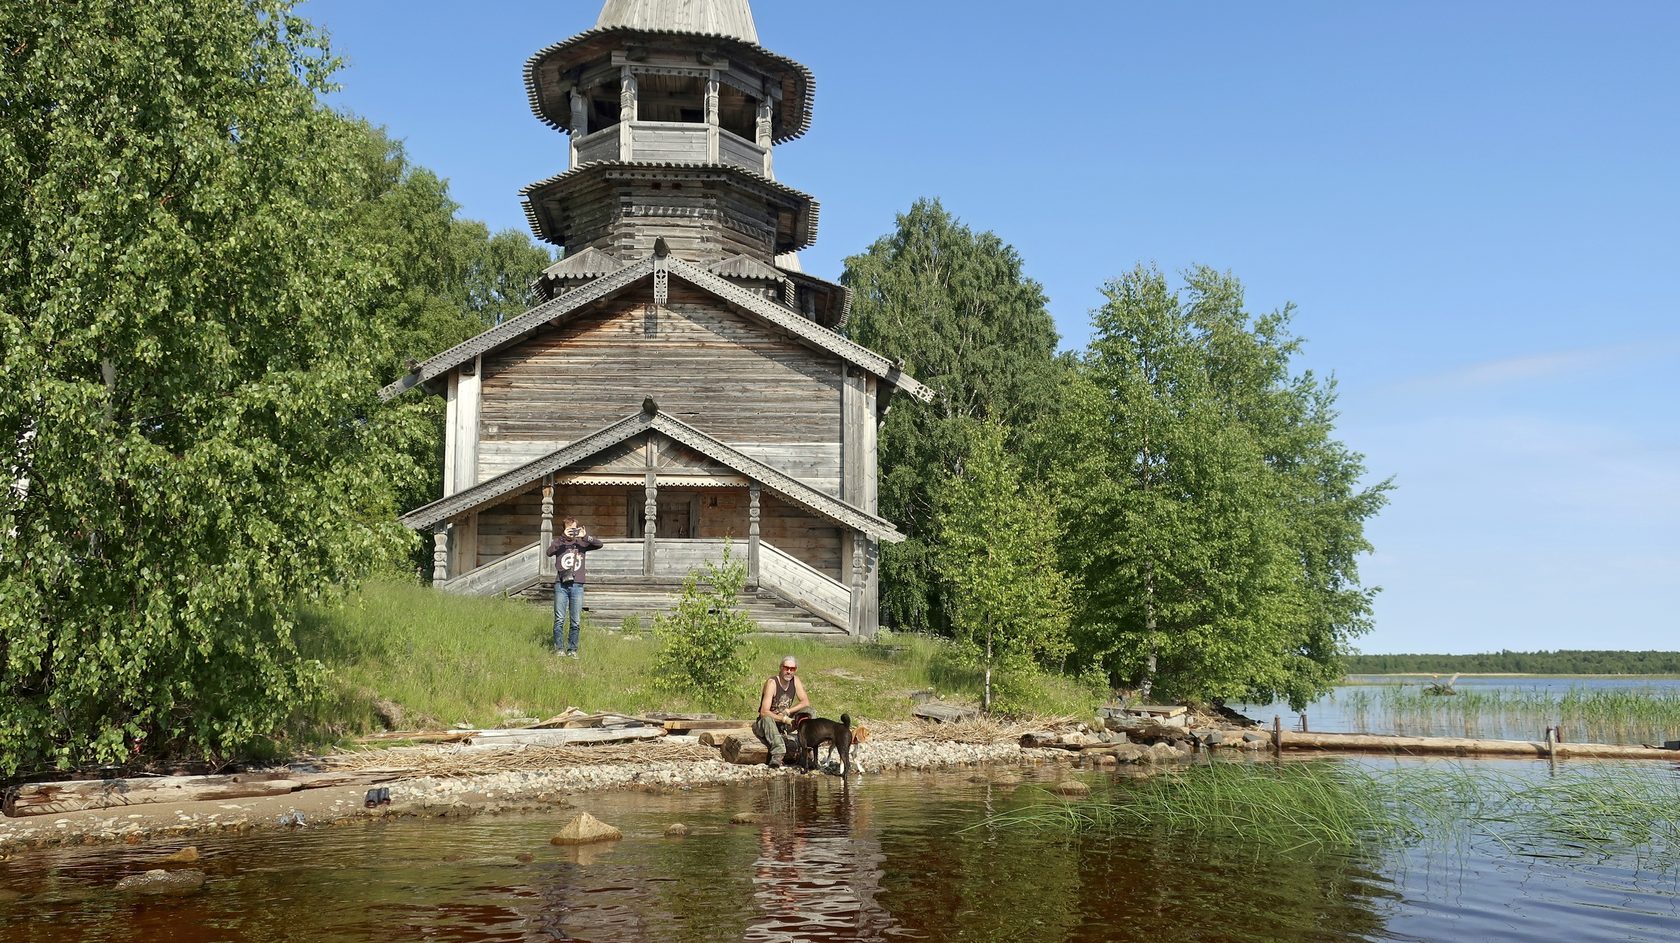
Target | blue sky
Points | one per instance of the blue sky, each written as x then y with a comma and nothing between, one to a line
1475,208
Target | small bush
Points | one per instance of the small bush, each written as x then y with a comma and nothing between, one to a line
700,641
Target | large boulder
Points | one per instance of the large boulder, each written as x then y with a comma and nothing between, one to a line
586,829
159,881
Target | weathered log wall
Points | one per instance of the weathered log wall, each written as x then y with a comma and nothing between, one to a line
704,365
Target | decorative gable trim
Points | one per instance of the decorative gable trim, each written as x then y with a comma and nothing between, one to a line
783,485
516,328
575,300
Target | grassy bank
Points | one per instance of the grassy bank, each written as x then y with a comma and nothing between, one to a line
434,660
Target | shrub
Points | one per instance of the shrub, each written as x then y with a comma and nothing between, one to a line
700,641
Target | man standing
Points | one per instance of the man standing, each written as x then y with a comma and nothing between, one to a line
783,696
569,550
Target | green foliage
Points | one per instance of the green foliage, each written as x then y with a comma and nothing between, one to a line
189,415
957,307
700,641
1212,517
998,538
446,281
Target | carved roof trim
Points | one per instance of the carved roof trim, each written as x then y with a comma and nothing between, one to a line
803,328
589,263
515,328
572,301
781,484
798,84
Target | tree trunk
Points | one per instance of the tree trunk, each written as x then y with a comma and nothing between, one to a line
1149,625
986,696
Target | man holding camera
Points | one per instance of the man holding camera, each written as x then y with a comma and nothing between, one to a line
569,550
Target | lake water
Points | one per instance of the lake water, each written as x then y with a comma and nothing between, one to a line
896,857
1491,706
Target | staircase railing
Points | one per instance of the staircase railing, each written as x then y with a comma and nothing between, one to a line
515,572
803,585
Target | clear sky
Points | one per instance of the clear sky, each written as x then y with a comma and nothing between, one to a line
1475,206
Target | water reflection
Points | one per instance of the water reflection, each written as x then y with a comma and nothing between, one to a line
897,857
818,877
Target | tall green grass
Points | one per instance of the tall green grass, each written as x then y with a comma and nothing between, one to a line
1339,806
442,660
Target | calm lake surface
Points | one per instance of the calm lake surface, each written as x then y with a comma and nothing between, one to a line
1493,706
898,857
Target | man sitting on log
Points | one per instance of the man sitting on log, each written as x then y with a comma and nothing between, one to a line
783,696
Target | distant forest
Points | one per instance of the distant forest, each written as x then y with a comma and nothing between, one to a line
1559,662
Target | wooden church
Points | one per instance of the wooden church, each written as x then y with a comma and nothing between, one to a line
681,382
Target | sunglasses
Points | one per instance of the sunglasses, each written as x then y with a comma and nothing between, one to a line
790,668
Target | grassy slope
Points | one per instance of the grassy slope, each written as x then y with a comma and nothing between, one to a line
447,660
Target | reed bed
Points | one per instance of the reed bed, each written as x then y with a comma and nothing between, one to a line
1338,806
1595,715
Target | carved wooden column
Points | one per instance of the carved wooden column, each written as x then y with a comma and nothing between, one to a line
580,121
545,565
765,110
855,611
712,119
753,512
627,92
440,555
650,510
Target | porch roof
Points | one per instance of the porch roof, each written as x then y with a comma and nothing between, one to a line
650,419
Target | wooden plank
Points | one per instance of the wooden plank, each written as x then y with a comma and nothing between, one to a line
568,737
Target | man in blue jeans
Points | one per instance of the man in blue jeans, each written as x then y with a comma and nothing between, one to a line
569,551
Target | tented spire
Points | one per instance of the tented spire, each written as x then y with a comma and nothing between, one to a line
732,18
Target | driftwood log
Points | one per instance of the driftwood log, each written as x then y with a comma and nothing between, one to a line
1363,743
943,713
82,795
715,738
744,751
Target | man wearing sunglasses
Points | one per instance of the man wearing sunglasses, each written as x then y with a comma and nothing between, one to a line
783,696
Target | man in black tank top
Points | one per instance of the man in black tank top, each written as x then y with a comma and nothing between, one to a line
782,697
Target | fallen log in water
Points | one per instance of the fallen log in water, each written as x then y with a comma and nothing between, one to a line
82,795
1457,746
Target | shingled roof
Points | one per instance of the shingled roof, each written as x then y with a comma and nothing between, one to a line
731,18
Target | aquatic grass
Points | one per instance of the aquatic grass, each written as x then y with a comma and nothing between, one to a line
1340,806
1585,714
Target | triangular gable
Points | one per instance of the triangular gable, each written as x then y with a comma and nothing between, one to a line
604,441
589,263
574,301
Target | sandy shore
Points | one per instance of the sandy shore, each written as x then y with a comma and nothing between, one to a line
453,796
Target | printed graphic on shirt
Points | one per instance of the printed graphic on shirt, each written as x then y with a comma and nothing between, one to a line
570,560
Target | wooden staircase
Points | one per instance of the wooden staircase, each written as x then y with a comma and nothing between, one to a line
793,598
607,606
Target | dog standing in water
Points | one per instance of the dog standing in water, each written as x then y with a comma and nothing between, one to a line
813,732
